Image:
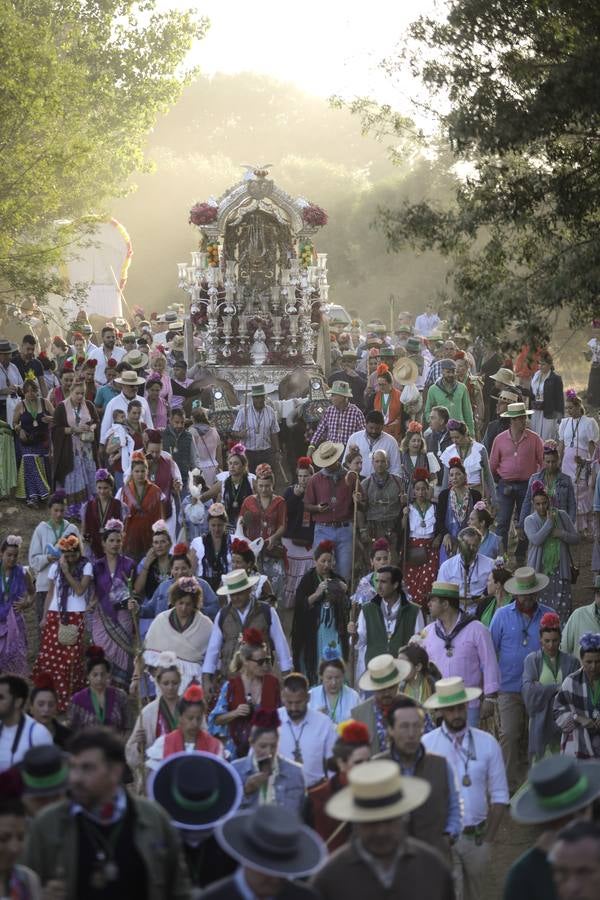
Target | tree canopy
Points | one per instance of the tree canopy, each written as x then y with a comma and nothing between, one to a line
82,84
522,230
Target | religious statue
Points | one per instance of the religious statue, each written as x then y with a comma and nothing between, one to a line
259,350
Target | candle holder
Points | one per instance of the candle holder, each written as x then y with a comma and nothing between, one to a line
243,328
276,320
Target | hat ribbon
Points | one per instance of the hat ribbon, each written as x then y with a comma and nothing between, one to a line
383,679
194,805
460,697
45,781
376,802
565,797
231,587
530,581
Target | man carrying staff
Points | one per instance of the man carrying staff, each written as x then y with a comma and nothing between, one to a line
257,426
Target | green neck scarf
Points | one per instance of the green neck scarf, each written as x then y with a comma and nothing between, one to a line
551,551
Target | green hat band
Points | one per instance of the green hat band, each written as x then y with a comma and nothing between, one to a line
195,805
440,592
238,585
526,582
41,782
461,697
383,679
571,795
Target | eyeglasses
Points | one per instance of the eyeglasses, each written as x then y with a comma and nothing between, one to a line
263,661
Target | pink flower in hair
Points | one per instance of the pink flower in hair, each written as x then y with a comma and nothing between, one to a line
159,526
571,394
238,448
480,505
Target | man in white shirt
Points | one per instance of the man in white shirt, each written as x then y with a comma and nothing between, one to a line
257,426
18,731
477,760
427,322
10,379
107,350
305,735
468,568
128,381
371,438
239,613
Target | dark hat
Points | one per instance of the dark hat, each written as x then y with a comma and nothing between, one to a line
44,771
556,787
272,840
7,346
448,365
198,790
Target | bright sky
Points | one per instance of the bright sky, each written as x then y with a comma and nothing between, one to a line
324,46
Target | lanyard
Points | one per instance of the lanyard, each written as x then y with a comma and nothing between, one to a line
466,755
57,534
526,628
297,754
574,431
99,711
331,711
17,737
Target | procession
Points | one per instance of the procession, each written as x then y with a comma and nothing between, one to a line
299,548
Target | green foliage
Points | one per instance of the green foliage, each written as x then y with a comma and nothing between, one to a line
522,229
82,84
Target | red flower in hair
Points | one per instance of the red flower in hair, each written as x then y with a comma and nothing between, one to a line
253,636
550,622
180,549
95,652
326,547
239,546
44,682
456,463
354,732
265,718
420,475
111,364
382,369
304,462
67,366
194,694
42,355
90,363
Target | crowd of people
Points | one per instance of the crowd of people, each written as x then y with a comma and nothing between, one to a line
221,678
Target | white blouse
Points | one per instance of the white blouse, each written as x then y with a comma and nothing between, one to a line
471,462
578,433
75,602
419,526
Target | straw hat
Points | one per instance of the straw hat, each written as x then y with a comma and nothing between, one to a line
514,410
508,396
384,671
235,582
451,692
136,359
405,371
445,589
526,581
376,792
327,454
556,787
258,390
130,378
504,376
341,388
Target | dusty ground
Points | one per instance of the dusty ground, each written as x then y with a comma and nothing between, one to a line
513,839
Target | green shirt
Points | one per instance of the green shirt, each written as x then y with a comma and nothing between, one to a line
456,401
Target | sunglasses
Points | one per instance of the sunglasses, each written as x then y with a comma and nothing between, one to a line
263,661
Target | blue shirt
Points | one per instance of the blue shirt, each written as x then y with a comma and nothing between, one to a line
515,636
104,395
159,601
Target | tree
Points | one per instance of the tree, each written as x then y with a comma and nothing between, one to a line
82,85
522,229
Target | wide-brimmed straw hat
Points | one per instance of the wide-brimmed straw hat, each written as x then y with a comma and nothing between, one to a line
198,790
136,359
129,377
405,371
377,791
341,389
235,582
514,410
526,581
504,376
384,671
327,454
451,692
556,787
272,839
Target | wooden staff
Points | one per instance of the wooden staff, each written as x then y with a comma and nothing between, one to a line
406,526
354,524
353,642
337,831
138,670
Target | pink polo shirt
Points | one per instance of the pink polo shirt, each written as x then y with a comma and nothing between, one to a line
516,461
473,656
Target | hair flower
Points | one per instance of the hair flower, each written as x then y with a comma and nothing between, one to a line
188,584
114,525
70,542
589,642
353,732
414,428
14,540
159,527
